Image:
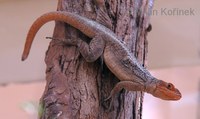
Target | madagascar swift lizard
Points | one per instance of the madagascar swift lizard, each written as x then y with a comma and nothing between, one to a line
133,76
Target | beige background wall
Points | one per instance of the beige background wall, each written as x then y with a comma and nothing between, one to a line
175,39
16,18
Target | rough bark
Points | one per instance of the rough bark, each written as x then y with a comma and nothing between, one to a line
76,89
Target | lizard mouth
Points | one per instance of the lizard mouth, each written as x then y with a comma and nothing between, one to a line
171,95
178,95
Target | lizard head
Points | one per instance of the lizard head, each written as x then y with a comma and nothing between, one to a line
166,91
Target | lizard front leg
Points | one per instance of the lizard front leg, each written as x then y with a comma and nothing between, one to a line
128,85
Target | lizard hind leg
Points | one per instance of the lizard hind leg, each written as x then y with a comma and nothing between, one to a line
102,17
92,51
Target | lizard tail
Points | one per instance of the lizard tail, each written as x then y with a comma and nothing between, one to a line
81,23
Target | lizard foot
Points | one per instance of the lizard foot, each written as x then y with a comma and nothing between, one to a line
108,98
72,42
111,102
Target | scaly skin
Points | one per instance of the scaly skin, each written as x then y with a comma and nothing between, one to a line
116,56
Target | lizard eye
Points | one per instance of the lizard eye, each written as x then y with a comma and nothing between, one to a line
170,86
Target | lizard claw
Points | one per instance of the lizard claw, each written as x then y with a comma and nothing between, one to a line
111,102
65,41
107,98
52,38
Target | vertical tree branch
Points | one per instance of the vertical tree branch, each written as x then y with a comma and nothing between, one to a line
77,89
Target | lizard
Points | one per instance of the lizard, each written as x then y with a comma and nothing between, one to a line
119,60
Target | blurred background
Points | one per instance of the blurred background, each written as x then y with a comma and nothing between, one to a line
174,56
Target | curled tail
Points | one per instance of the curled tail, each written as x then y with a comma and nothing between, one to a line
83,24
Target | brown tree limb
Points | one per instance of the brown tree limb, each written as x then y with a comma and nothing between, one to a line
76,89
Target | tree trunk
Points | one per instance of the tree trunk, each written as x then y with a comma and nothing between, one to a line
76,89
